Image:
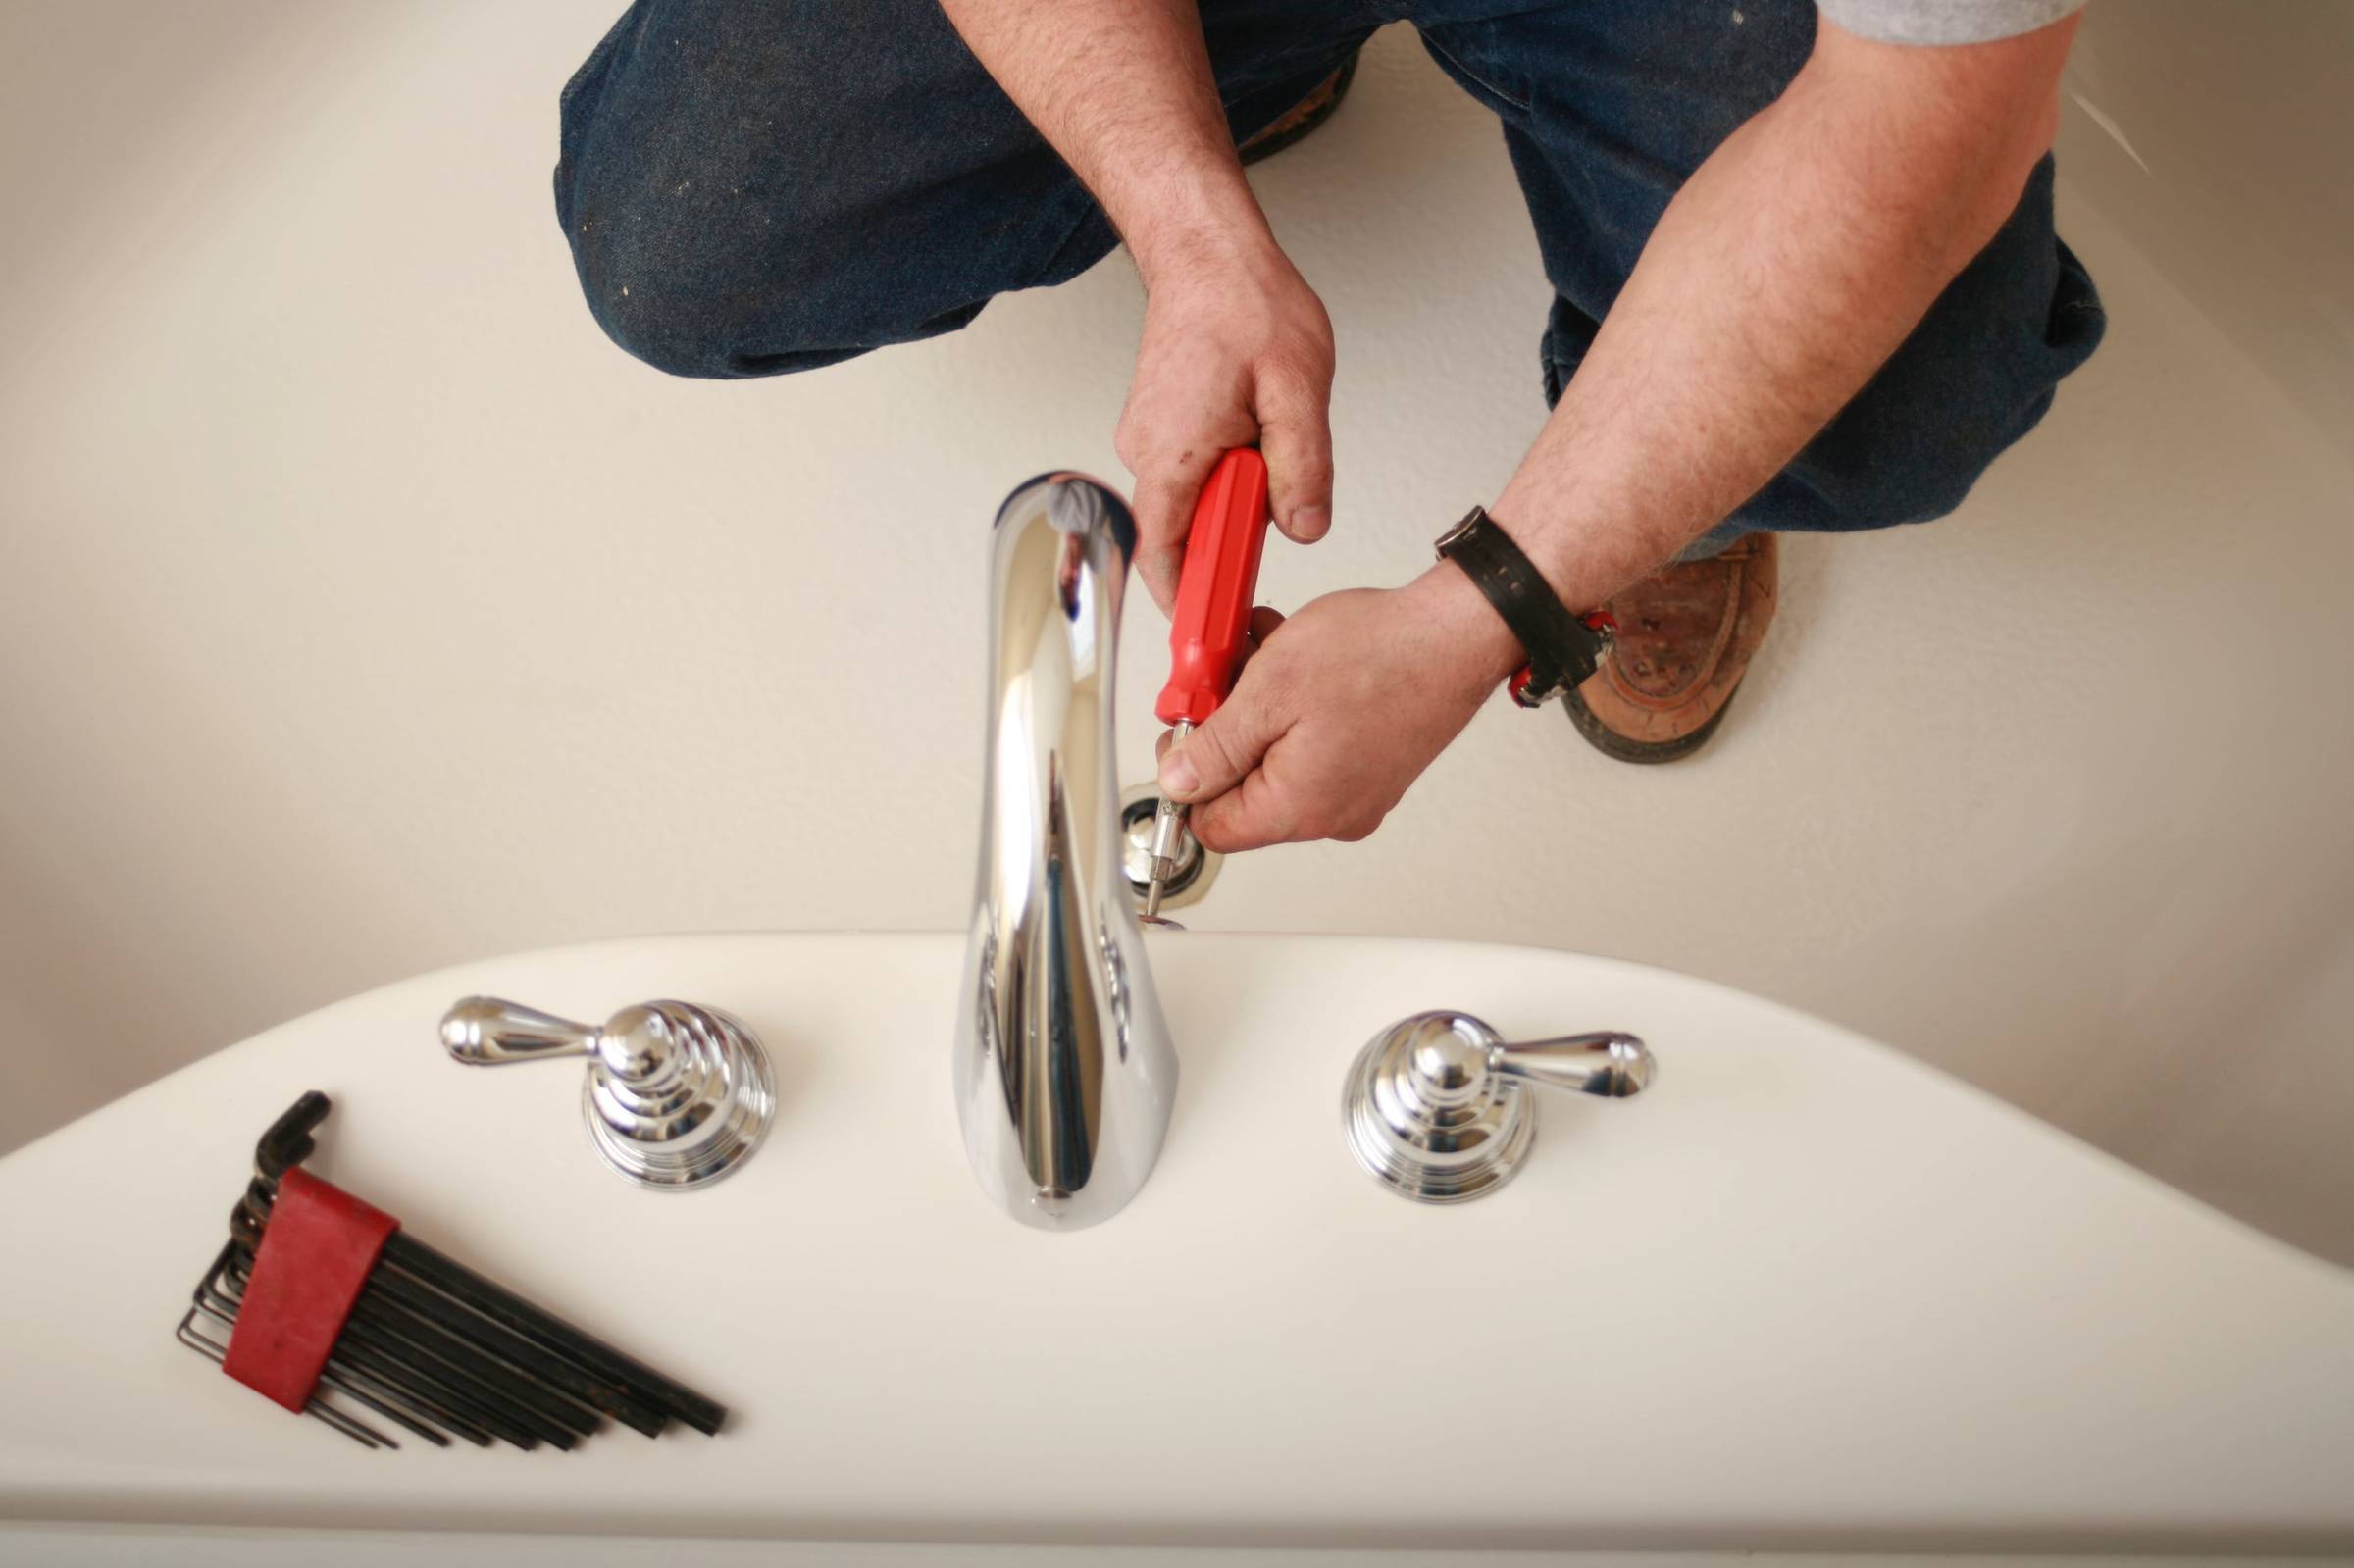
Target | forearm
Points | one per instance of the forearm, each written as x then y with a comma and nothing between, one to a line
1123,90
1791,264
1236,348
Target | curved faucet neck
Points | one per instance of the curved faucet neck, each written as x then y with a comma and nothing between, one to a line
1064,1071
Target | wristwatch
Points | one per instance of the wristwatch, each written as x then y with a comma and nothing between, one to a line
1563,647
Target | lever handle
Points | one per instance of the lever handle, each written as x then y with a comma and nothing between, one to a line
1435,1106
492,1031
676,1096
1604,1063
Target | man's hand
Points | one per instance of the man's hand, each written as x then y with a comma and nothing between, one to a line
1338,711
1791,264
1237,348
1785,271
1237,352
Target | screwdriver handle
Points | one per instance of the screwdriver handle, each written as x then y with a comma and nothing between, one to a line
1215,588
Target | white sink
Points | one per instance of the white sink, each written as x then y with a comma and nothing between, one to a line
1802,1294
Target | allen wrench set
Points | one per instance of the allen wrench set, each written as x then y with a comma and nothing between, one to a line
317,1293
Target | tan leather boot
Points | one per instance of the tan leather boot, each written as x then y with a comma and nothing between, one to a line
1684,640
1303,117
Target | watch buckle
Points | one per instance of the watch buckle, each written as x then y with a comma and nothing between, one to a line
1599,622
1518,686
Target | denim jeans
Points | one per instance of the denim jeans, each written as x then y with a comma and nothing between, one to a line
754,188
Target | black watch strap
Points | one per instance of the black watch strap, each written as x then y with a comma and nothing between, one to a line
1563,647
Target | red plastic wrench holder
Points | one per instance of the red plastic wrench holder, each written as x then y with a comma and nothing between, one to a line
315,1256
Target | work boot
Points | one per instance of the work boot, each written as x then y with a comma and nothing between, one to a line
1303,117
1684,639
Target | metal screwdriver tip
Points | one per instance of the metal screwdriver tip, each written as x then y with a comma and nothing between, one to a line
1168,829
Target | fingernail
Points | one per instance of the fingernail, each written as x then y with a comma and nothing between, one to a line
1310,522
1177,777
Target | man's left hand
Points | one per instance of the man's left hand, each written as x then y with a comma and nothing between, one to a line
1337,711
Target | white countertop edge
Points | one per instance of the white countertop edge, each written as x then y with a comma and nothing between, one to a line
73,1545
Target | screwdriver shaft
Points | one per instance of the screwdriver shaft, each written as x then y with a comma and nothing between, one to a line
1168,829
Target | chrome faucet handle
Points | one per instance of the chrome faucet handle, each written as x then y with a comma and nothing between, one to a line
1434,1107
1604,1063
492,1031
676,1096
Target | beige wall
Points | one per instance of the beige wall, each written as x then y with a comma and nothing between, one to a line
2217,136
362,611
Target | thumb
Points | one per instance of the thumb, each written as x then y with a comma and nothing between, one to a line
1223,748
1295,434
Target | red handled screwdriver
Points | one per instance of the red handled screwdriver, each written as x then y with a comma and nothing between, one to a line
1215,593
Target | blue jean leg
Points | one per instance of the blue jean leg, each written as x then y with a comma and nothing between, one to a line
752,189
1609,106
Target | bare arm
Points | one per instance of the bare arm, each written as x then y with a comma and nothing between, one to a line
1794,262
1237,349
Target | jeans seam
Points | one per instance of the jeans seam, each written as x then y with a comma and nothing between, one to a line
1448,55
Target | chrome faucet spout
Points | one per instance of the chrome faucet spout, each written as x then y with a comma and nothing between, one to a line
1064,1071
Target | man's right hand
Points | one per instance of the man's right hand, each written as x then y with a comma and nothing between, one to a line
1236,351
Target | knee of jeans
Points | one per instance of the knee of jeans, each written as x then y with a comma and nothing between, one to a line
1916,440
696,290
1977,374
647,286
1913,465
1956,456
677,334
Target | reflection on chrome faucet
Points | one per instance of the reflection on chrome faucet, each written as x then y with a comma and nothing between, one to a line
1064,1073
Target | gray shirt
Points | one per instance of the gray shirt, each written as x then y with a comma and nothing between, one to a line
1944,20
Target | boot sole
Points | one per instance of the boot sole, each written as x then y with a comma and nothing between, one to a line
1644,753
1267,146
